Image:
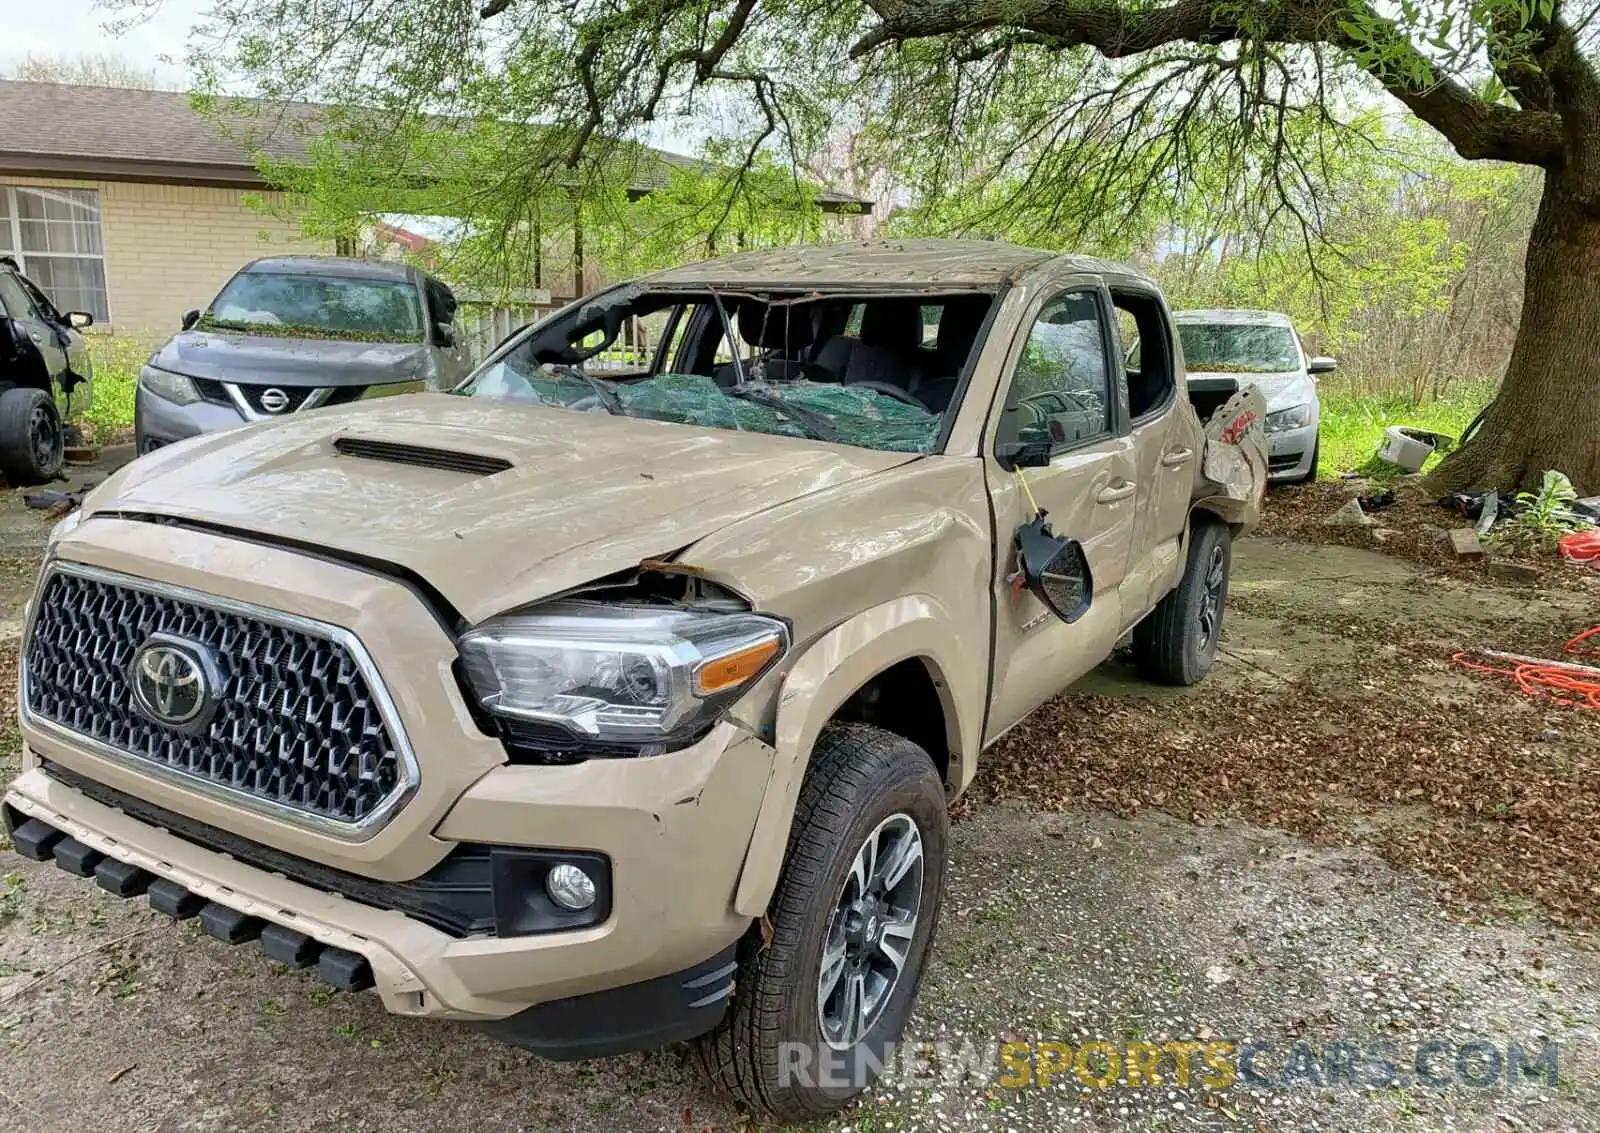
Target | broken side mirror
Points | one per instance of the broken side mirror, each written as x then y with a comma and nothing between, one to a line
1025,454
189,319
445,334
1321,364
78,320
1055,570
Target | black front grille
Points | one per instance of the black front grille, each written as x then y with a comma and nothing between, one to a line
1284,460
212,391
296,724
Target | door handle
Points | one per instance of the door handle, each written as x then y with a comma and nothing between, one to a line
1121,490
1177,458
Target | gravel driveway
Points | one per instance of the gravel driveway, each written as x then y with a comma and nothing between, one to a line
1061,925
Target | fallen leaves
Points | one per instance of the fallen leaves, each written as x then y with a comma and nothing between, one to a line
1463,788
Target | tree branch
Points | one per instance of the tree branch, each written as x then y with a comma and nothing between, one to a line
1477,128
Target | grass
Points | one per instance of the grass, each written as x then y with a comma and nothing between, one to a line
1353,423
117,359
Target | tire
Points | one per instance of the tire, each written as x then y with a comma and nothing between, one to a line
31,440
1177,641
771,1050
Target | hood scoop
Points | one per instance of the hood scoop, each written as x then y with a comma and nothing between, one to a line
470,463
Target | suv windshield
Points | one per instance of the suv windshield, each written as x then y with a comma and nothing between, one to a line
873,371
318,306
1238,348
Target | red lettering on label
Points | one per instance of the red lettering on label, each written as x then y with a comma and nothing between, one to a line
1236,428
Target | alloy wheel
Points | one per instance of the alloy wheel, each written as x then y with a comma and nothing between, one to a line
1211,598
870,933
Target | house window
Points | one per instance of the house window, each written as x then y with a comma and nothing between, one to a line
55,236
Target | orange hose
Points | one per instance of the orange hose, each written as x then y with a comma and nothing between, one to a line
1560,684
1582,547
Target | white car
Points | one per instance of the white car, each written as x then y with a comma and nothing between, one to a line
1261,348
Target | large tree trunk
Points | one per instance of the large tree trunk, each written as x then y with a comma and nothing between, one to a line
1547,413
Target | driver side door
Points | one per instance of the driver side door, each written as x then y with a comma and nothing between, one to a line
1064,411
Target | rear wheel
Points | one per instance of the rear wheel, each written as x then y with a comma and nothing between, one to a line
1177,641
852,920
31,440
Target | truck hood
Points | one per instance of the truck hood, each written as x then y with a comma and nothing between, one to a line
1280,391
254,359
586,494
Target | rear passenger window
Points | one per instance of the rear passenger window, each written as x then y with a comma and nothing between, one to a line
1061,393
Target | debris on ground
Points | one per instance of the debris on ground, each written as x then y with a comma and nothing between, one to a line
55,502
1350,515
1570,684
1408,449
1464,542
1582,547
1377,501
1415,528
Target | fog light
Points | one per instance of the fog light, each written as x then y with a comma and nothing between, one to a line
570,887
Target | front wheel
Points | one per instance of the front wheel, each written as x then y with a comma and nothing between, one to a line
817,1009
31,441
1177,641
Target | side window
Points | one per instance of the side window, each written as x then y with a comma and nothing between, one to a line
13,298
1061,393
1151,373
40,303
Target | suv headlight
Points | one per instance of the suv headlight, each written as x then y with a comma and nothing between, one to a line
1296,417
172,387
609,675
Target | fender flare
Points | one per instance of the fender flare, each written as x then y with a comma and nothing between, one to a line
824,677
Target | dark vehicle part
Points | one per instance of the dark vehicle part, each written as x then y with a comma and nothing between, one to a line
1177,641
834,917
32,443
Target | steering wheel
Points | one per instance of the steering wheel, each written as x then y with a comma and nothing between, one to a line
893,391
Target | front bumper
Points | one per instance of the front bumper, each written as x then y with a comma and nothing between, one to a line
1292,455
157,421
675,827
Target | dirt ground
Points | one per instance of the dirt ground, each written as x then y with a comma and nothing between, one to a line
1135,865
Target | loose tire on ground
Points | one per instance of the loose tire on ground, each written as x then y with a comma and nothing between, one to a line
770,1049
1177,641
31,440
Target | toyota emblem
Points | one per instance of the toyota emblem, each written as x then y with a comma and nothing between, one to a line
274,400
174,682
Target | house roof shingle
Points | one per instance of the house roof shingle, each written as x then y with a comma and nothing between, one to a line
118,133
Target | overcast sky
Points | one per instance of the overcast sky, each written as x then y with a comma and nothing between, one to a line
64,29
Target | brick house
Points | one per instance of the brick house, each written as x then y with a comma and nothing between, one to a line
129,205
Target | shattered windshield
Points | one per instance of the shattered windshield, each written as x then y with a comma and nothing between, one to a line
1238,348
317,306
876,372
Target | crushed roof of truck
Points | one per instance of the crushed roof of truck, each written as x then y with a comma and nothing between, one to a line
953,263
1239,316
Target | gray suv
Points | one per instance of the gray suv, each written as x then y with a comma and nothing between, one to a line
295,332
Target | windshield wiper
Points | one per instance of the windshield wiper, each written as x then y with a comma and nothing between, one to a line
810,422
603,390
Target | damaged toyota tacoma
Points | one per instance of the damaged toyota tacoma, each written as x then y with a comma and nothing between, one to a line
606,709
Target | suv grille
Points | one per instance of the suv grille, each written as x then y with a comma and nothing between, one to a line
297,725
295,397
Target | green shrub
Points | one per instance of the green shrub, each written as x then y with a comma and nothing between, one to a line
117,359
1353,424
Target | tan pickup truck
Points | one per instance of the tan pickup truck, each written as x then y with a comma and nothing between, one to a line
603,709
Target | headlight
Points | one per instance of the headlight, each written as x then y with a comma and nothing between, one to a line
172,387
610,675
1297,417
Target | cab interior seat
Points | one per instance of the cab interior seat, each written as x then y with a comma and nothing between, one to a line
778,335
